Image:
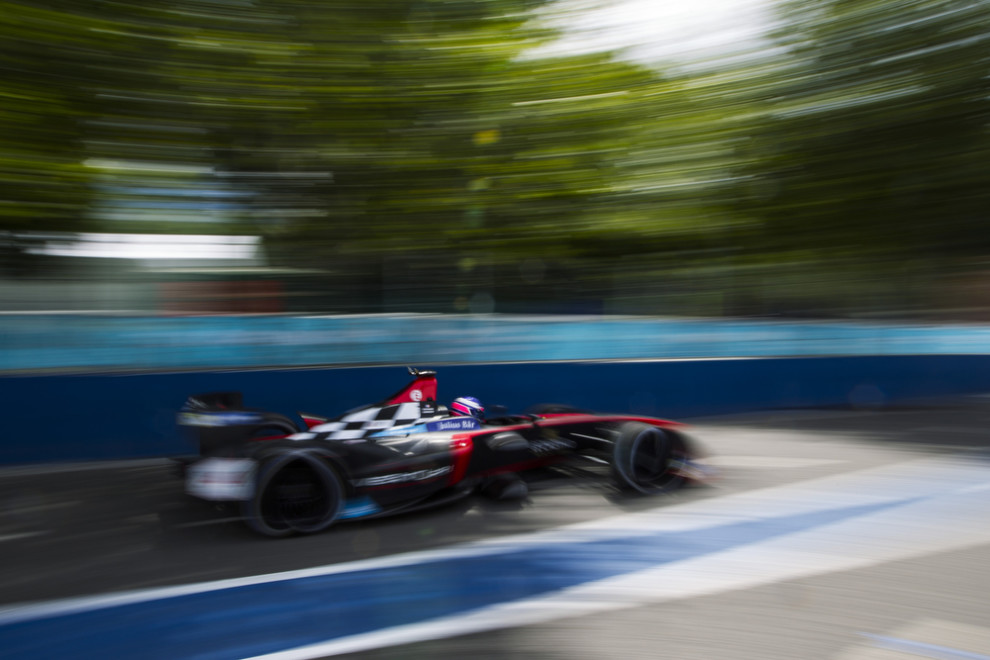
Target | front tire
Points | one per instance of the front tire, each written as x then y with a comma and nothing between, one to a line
645,459
295,493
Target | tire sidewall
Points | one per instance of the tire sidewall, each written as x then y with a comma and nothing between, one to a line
630,436
268,469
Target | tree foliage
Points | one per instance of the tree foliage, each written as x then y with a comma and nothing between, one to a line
424,148
876,141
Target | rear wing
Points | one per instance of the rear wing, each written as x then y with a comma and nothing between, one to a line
422,389
218,423
215,401
417,400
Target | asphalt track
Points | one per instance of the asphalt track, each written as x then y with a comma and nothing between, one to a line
827,534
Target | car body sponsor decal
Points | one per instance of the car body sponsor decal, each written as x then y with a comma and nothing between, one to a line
359,507
217,418
404,477
400,431
439,425
454,424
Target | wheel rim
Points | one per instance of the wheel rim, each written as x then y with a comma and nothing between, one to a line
650,457
297,498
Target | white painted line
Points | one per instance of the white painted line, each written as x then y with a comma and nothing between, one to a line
22,535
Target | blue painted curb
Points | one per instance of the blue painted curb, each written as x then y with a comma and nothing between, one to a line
247,621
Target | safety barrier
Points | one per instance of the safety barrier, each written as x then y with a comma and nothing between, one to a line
92,343
61,417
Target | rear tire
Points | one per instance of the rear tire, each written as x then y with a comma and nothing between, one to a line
274,426
645,459
295,493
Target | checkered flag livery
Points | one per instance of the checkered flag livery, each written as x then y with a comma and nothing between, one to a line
364,422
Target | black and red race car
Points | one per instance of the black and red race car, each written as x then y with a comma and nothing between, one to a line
408,452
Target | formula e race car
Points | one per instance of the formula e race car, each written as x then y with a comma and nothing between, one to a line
408,452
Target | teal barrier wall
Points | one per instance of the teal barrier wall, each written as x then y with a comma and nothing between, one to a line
93,343
83,417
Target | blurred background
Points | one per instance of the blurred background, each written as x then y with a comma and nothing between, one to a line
189,185
810,159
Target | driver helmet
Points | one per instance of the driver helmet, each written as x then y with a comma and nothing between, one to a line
467,406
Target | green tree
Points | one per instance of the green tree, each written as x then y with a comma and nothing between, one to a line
375,143
42,177
875,142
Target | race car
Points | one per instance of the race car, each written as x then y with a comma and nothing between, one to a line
408,452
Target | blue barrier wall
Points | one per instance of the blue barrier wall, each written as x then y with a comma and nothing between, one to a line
83,417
